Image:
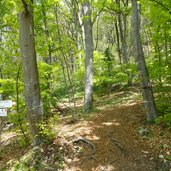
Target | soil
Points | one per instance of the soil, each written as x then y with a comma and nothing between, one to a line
111,139
113,143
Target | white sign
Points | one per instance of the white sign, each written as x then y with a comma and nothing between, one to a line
5,103
3,112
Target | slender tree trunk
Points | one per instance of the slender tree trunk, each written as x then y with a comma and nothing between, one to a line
69,74
49,59
166,44
158,54
78,30
88,48
17,102
123,30
150,107
30,71
97,31
123,36
118,42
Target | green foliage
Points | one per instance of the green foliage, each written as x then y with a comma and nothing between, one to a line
45,85
160,74
107,72
164,120
163,105
168,158
159,71
45,71
60,92
45,131
21,127
38,159
7,87
79,75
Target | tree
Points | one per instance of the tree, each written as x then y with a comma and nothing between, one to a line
30,71
88,49
150,107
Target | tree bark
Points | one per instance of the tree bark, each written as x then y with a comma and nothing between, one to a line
30,72
88,49
49,58
150,107
118,42
123,35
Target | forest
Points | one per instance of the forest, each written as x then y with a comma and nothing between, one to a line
85,85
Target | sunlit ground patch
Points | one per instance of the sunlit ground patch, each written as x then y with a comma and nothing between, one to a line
111,123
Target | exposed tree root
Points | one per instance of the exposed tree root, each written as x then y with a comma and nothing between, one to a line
117,143
84,140
70,149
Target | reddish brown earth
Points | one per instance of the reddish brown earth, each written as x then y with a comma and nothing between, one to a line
112,142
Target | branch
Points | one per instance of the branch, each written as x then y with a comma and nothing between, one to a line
162,5
97,15
25,5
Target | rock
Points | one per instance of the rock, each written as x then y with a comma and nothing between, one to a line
161,156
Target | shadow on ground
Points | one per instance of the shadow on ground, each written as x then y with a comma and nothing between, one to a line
106,142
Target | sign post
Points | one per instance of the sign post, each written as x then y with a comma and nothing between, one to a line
4,104
3,112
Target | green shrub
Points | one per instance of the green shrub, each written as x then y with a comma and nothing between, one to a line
7,87
45,131
165,120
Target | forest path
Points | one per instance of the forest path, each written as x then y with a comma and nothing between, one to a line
108,141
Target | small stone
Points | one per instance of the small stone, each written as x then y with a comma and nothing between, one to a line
145,152
161,156
168,152
69,160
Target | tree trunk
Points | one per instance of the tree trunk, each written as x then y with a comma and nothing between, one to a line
49,58
123,35
88,48
118,42
150,107
30,71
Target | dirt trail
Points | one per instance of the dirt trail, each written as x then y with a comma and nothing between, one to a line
108,140
113,137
